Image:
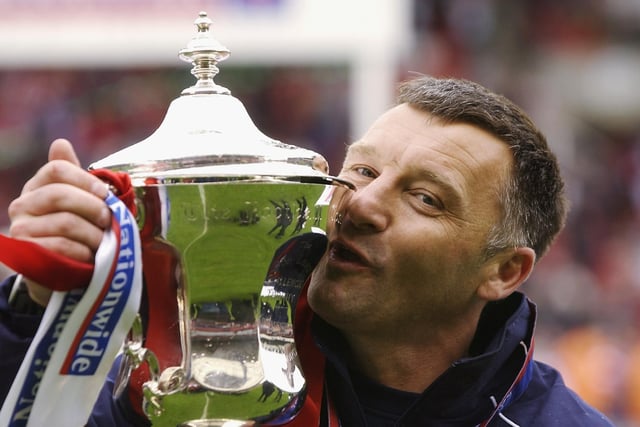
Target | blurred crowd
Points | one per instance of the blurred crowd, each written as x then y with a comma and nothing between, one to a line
567,63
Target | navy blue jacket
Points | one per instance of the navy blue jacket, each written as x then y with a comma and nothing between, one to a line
497,372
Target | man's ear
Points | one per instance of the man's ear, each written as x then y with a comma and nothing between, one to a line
506,272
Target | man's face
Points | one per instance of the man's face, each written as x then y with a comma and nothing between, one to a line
407,247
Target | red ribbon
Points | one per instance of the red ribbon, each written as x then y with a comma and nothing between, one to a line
312,361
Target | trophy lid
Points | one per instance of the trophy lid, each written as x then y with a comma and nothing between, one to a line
207,134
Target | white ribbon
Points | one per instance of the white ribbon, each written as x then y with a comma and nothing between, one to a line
80,335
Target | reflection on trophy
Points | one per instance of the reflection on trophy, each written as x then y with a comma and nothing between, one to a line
231,225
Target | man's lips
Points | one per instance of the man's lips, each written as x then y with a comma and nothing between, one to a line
343,253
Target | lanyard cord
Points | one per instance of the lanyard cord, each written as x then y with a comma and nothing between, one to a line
519,385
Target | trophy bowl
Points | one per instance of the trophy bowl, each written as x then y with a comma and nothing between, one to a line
231,224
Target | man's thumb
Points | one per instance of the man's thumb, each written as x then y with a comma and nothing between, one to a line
61,149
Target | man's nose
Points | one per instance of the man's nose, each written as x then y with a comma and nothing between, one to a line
368,207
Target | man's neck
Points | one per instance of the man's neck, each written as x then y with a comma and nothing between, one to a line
410,360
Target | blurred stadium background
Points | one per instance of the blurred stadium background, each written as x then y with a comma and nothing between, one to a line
316,73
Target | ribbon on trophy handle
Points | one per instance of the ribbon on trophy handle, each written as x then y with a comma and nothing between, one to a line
83,328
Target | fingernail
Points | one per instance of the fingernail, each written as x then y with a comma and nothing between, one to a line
100,189
105,218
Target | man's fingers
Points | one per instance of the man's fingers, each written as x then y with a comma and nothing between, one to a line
66,247
65,228
55,197
61,171
63,167
61,208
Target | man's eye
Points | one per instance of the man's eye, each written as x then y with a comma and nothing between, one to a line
429,200
365,172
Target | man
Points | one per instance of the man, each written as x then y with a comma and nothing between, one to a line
416,319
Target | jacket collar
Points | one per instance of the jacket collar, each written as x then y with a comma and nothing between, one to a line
472,390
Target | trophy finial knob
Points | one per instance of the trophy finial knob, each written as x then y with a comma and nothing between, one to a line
203,22
204,52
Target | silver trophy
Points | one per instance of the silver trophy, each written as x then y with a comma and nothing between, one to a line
231,223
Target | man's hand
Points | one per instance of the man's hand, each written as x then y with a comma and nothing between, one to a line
61,208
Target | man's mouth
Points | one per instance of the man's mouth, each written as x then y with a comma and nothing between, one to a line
342,253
